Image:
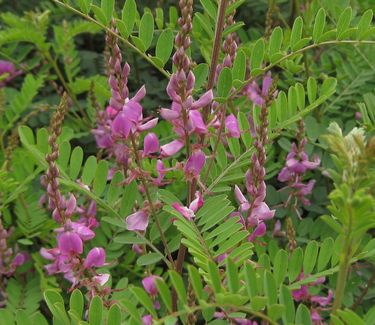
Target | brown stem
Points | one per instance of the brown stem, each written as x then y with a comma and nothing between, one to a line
369,284
153,210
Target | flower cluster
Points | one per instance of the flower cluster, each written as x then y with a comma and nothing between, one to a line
72,234
7,72
318,303
9,258
297,164
256,209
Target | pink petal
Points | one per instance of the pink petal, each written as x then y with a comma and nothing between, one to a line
95,257
150,144
137,221
171,148
232,127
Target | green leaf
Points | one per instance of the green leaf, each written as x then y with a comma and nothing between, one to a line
144,299
22,318
303,316
200,73
76,303
276,40
296,33
149,259
325,253
214,277
270,288
232,276
239,66
164,46
164,293
195,281
210,8
89,170
312,89
159,18
84,5
344,22
129,12
101,176
224,82
311,254
257,55
287,300
280,266
99,14
114,315
320,21
364,24
96,311
108,7
75,162
275,311
328,87
179,286
295,264
146,29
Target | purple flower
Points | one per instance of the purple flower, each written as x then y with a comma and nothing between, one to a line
7,72
70,243
149,284
137,221
95,257
147,320
171,148
232,127
197,123
195,164
150,144
121,126
189,212
259,231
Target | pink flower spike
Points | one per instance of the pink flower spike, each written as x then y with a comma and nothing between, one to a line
204,100
148,125
121,125
184,211
150,144
232,127
195,163
95,257
70,243
171,148
137,221
197,123
266,85
19,259
149,284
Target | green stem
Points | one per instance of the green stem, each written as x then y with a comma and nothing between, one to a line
343,267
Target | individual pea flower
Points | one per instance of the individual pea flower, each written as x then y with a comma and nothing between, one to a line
232,127
194,164
95,257
138,221
147,320
189,212
256,94
7,72
171,148
149,284
150,144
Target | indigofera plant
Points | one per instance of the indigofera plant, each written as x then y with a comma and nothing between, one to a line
203,199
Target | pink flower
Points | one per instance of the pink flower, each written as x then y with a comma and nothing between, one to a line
147,320
70,243
244,203
259,231
137,221
150,144
7,72
101,279
149,284
71,206
232,127
121,125
171,148
148,125
323,301
189,212
204,100
95,257
197,123
195,164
